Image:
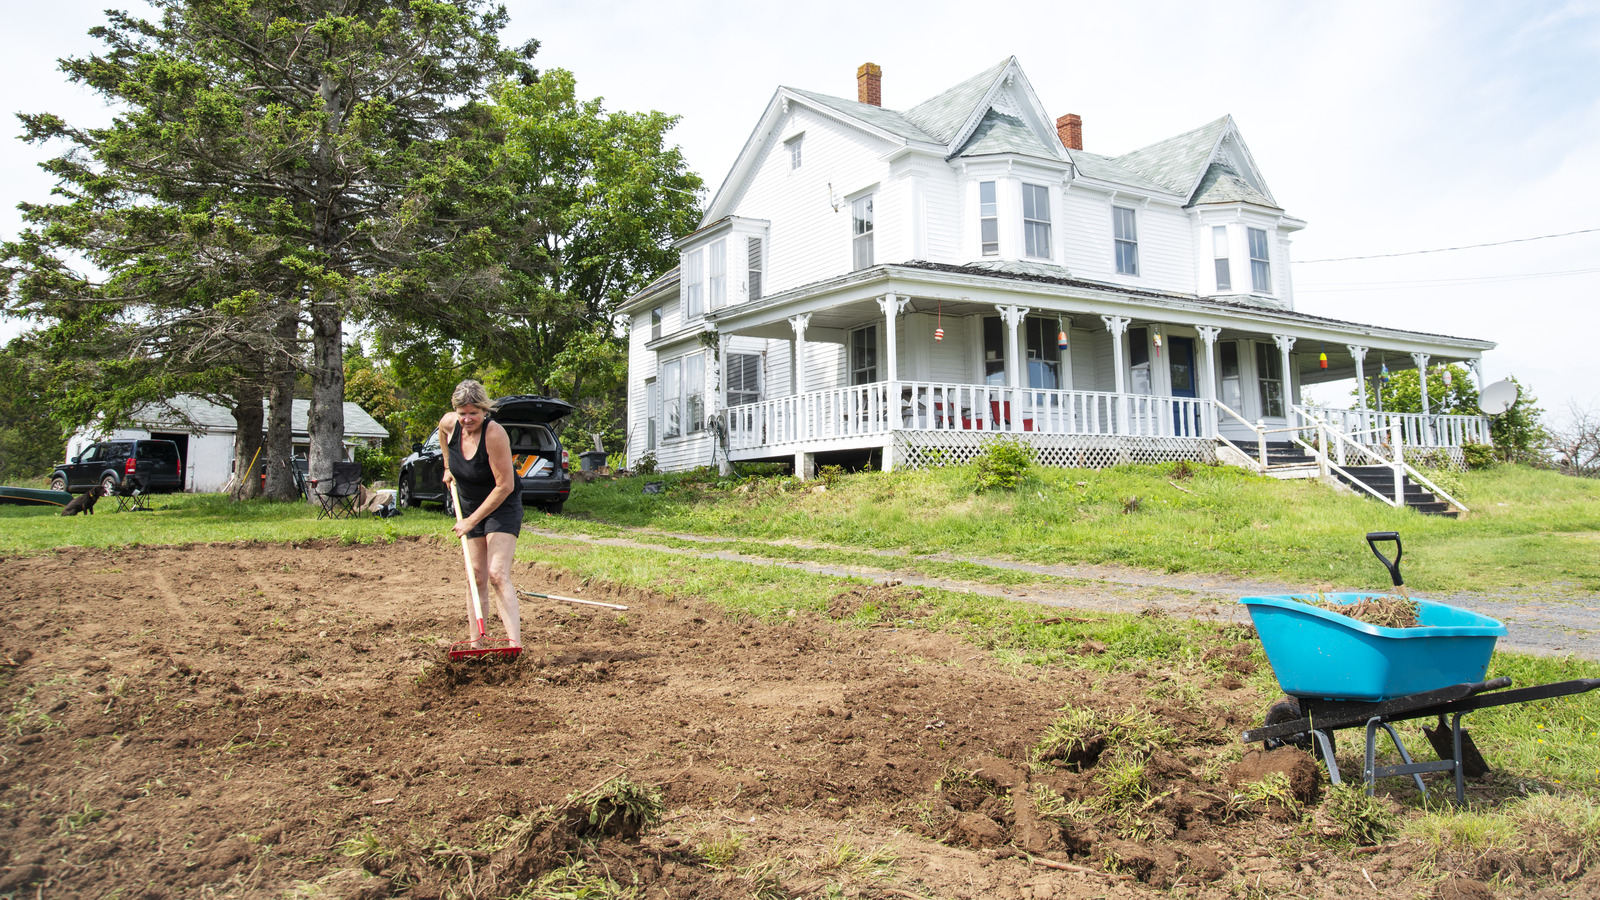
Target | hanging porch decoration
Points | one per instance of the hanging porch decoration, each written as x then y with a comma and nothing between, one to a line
1383,373
1447,378
1156,339
1061,335
938,331
1322,358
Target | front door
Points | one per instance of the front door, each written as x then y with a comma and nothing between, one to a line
1180,365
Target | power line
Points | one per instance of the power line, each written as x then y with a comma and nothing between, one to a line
1542,237
1350,286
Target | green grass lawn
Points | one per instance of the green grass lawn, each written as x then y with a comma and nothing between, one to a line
1528,529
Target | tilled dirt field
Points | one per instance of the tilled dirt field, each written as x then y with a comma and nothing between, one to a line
277,721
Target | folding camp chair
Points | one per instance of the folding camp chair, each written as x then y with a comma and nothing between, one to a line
338,494
131,496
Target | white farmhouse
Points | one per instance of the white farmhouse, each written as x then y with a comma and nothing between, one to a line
901,285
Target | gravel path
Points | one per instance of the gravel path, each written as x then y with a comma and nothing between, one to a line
1536,622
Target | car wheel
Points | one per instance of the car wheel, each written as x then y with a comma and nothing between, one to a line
554,507
408,496
58,482
108,484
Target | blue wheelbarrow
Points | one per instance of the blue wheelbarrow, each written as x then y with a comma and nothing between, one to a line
1339,672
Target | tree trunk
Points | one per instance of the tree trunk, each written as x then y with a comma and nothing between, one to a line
326,422
280,423
248,438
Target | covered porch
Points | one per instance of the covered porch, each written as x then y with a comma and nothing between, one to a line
926,366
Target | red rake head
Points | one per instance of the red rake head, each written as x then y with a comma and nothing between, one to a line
495,647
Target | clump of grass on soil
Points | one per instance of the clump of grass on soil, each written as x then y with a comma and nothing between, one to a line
1385,611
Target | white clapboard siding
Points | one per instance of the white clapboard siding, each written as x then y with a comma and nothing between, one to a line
809,240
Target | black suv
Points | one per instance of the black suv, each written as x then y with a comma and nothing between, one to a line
150,466
535,453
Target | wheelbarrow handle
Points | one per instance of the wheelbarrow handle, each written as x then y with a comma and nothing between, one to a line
1373,538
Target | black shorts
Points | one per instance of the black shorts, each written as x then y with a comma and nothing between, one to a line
506,518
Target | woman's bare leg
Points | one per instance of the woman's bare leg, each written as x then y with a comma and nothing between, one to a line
478,553
501,549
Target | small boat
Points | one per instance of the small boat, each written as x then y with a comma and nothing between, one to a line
19,496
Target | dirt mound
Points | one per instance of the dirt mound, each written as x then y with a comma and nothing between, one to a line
266,720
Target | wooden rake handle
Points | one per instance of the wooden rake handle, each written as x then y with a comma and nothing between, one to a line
472,577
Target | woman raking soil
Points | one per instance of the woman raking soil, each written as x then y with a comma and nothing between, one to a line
480,475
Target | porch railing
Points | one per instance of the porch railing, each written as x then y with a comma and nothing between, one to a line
931,406
1372,428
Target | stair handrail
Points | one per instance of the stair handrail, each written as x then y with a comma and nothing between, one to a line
1261,437
1398,463
1323,459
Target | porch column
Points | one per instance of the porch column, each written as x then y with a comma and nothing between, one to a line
1066,354
1118,326
891,306
797,375
1285,344
1476,365
1360,354
1012,316
725,467
1421,359
1208,334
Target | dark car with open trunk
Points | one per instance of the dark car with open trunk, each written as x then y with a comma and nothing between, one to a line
536,454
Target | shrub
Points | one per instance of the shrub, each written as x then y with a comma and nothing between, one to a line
1003,463
376,464
646,464
1478,456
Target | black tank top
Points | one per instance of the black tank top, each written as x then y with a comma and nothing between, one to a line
475,477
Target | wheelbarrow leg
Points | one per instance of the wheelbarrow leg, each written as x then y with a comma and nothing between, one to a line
1460,767
1370,775
1327,754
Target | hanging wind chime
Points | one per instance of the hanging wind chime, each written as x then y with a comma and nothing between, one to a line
1322,358
938,331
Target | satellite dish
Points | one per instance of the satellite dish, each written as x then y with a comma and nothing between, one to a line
1498,397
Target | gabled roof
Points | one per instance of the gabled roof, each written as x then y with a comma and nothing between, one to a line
1184,165
1104,168
944,115
883,119
1222,184
1001,133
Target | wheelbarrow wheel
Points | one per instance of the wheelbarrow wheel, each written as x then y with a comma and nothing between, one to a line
1287,709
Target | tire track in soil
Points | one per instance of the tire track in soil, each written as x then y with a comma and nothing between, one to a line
1536,622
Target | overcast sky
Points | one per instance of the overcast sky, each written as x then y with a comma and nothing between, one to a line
1388,127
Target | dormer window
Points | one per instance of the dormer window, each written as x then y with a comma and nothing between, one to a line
1036,220
1260,262
1126,233
988,219
694,301
1219,254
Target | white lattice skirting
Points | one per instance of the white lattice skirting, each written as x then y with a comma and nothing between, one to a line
915,449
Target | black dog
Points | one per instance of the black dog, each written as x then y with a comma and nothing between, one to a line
84,503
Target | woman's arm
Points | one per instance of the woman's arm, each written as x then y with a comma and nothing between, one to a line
505,474
447,427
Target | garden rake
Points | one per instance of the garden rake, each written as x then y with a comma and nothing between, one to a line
482,645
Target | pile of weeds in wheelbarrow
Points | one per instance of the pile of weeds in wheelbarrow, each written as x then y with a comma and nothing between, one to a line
1387,611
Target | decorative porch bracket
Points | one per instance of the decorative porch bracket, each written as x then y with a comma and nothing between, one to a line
1012,316
1208,385
1118,326
799,323
1476,365
892,306
1285,344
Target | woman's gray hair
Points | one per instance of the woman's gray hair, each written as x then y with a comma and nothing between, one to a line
470,393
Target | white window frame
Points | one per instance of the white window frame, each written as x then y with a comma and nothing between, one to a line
693,285
867,337
652,413
1219,255
1260,266
755,267
672,399
988,220
655,323
862,227
718,280
1036,228
744,378
793,145
1269,358
694,393
1128,241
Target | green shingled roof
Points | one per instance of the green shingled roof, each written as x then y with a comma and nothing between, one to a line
1177,162
1222,184
1000,133
942,116
1104,168
886,119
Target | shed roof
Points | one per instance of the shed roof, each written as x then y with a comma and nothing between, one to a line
186,411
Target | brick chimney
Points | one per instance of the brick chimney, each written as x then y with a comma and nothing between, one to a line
869,84
1070,128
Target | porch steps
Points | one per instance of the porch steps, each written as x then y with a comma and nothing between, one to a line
1285,456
